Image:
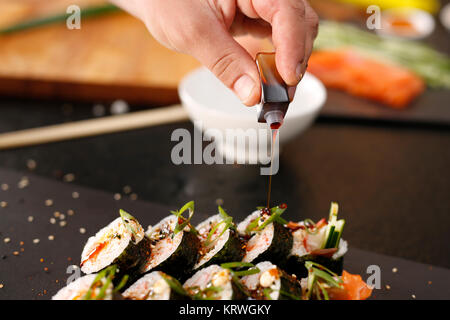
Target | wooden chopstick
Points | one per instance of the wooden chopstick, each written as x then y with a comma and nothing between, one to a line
62,17
92,127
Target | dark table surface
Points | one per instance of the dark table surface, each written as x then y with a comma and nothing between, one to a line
392,181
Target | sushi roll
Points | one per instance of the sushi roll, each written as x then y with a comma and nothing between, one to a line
94,286
175,246
214,283
320,243
220,241
122,242
155,286
268,238
272,283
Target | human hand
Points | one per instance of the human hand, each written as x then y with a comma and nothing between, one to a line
205,30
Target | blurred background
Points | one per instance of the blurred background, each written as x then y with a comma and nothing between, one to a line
380,146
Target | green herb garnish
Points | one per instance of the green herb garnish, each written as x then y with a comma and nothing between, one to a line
317,276
174,284
126,218
184,221
227,220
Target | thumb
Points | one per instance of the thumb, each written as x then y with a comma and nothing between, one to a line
229,62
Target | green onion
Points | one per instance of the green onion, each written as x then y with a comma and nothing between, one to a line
62,17
309,222
230,265
316,272
179,214
252,225
126,216
174,284
276,212
248,272
267,292
289,295
228,224
122,283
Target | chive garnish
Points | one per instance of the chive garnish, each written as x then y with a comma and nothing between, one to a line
126,218
174,284
318,272
289,295
267,292
185,221
122,283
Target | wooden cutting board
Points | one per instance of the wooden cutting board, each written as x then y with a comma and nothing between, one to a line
111,57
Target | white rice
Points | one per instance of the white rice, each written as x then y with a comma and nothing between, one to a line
113,246
205,277
218,243
152,286
260,241
164,248
253,282
313,242
77,289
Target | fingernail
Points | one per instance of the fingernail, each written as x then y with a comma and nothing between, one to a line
244,87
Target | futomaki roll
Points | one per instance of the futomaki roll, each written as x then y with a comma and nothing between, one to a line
268,238
175,246
220,241
156,286
272,283
95,286
320,243
122,242
213,283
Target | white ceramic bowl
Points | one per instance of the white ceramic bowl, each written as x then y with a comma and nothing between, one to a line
211,105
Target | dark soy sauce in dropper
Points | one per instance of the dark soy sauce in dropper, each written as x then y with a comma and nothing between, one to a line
274,102
274,127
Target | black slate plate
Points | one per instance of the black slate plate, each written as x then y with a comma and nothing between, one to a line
23,276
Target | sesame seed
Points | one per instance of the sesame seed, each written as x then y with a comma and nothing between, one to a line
16,253
6,240
4,186
46,270
51,237
31,164
48,202
127,189
413,296
429,282
23,183
56,214
70,212
41,260
36,241
394,270
62,216
133,196
30,219
22,249
1,285
70,177
52,220
21,243
3,204
117,196
75,195
82,230
62,223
